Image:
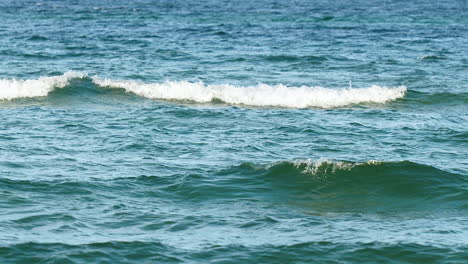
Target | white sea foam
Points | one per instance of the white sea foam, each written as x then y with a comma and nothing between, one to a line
310,166
259,95
13,88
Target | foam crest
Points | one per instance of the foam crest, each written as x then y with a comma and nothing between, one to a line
325,166
259,95
13,88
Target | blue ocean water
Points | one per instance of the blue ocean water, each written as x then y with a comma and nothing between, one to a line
233,131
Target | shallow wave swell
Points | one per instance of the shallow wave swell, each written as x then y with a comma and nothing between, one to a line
139,251
318,185
356,185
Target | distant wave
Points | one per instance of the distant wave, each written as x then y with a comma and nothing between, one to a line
431,57
257,95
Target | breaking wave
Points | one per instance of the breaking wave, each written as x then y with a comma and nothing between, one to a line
13,88
257,95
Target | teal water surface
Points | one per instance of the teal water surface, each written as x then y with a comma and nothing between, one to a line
233,131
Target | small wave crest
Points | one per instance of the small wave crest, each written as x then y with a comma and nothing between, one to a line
259,95
13,88
323,168
403,178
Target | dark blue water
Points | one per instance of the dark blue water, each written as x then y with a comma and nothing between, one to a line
233,131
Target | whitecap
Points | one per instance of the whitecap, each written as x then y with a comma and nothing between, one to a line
259,95
13,88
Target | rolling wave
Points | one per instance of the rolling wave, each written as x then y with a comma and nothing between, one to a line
12,88
402,176
343,185
258,95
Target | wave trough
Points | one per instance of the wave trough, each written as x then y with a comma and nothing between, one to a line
262,95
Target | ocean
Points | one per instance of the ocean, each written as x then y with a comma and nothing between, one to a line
215,131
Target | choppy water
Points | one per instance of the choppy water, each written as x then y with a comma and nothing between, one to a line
233,131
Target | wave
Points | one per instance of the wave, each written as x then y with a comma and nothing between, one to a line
438,98
12,88
431,57
344,185
323,185
258,95
386,174
261,95
292,58
154,251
